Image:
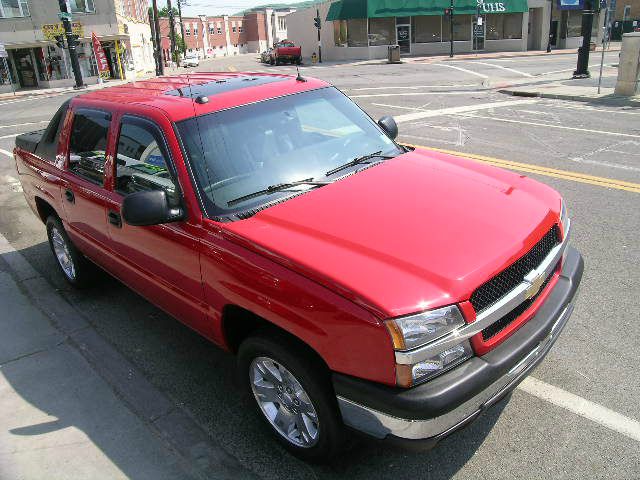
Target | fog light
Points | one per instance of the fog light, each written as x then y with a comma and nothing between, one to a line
408,375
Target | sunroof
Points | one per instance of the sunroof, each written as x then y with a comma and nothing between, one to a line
223,85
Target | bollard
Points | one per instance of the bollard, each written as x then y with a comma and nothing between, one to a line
629,66
314,58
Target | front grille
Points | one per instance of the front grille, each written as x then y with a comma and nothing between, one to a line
496,327
494,289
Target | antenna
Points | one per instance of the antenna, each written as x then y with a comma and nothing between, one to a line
300,78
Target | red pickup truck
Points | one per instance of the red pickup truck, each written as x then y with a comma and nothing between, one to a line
361,283
285,51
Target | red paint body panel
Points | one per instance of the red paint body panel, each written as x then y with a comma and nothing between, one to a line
419,231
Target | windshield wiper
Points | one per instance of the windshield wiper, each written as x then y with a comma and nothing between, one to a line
276,188
356,161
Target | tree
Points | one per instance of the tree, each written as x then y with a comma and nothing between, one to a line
181,47
164,12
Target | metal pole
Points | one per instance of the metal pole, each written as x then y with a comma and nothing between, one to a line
319,42
71,45
117,44
604,38
582,68
451,30
6,65
550,27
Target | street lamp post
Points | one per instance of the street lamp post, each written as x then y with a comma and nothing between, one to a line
550,27
72,43
582,68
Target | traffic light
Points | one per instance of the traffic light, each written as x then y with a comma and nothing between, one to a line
316,22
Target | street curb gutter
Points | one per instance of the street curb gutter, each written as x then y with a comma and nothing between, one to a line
175,426
618,99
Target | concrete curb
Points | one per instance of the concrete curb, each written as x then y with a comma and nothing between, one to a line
617,99
174,425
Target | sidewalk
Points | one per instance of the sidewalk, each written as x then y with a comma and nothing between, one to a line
73,408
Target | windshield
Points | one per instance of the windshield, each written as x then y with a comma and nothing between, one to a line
236,152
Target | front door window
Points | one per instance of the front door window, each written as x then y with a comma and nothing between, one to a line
404,38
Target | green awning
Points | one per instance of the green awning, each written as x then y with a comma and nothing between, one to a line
346,9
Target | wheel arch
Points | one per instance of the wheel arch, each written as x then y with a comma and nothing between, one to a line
44,209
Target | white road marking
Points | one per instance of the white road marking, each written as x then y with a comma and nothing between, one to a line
463,109
512,70
547,125
582,407
604,164
567,70
408,94
471,72
6,152
26,123
412,87
594,109
414,109
35,97
10,136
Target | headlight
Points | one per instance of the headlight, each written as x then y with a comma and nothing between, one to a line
408,375
564,215
416,330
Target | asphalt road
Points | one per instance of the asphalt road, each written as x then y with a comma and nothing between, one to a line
589,152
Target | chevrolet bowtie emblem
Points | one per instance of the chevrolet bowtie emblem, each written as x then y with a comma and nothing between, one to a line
535,286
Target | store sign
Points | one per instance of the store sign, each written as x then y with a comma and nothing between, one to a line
101,58
570,4
491,7
51,30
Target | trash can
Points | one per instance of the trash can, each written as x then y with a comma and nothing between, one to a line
393,54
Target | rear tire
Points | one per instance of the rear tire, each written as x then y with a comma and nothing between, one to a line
292,395
75,268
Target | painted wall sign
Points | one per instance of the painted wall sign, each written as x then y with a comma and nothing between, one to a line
51,30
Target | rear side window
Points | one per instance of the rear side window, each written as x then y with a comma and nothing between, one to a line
88,145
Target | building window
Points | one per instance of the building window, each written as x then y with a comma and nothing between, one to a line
426,29
81,6
504,26
219,31
14,8
382,31
187,31
195,31
574,23
240,29
340,33
282,23
233,29
357,32
461,29
211,30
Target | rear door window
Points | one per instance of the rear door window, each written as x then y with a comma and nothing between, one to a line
88,145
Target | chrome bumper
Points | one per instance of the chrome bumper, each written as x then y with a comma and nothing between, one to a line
380,425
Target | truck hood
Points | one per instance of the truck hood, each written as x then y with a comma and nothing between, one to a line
418,231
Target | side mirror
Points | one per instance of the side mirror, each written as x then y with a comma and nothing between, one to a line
149,208
389,125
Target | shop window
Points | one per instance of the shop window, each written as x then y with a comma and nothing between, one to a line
340,33
574,23
382,31
461,29
426,29
357,32
14,8
82,6
504,26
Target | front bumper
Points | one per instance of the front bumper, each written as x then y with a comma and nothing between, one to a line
435,409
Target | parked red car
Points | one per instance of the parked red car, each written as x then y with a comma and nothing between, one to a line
285,51
396,291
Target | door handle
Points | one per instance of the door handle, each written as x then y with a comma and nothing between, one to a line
114,218
70,196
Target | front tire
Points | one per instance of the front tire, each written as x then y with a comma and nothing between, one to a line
292,396
75,268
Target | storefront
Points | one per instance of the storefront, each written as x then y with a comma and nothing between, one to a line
421,27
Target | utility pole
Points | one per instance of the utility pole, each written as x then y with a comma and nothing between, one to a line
582,68
180,17
451,29
318,27
72,43
172,30
155,26
550,27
